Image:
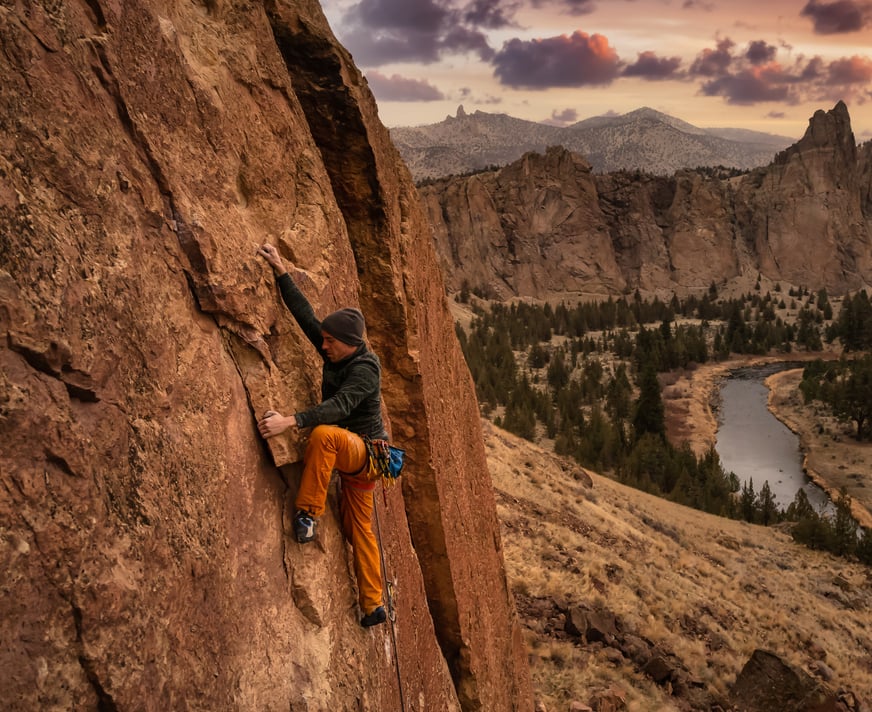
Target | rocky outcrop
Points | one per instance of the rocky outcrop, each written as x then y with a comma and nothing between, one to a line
146,149
767,683
547,227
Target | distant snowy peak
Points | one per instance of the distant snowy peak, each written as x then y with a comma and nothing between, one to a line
644,139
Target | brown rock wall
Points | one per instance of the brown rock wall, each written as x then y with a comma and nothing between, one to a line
553,232
146,149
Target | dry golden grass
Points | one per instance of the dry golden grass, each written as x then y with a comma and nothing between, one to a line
709,590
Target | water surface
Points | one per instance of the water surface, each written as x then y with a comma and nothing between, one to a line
755,445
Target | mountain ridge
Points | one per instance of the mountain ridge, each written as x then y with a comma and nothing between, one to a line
643,139
547,227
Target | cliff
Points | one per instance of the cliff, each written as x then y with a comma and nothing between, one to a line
546,226
148,148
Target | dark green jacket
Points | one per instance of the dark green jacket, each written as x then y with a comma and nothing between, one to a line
350,389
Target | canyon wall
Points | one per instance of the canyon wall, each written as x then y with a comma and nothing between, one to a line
547,227
147,149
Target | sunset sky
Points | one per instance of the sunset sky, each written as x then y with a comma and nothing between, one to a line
760,64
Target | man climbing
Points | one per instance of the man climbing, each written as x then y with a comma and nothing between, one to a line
350,408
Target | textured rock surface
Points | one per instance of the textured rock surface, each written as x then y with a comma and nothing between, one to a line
146,149
546,226
768,683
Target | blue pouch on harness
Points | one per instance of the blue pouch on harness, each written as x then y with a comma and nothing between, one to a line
385,460
395,461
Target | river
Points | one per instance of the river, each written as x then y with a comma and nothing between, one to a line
755,445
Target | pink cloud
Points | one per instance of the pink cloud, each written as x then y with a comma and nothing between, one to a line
572,60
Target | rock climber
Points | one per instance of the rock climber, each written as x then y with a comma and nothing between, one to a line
350,408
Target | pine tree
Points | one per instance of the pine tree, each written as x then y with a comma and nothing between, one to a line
844,530
649,413
748,502
767,505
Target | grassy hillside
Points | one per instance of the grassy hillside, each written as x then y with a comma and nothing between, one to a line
702,591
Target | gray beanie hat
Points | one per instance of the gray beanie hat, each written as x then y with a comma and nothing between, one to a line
346,325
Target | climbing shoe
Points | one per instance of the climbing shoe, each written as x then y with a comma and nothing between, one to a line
304,526
377,617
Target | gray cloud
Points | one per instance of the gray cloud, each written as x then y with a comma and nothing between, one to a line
465,93
397,88
562,118
565,61
650,66
747,87
837,17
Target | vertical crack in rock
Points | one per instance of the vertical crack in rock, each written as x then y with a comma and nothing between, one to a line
340,132
105,703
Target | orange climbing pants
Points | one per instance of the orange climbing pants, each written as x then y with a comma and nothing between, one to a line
332,448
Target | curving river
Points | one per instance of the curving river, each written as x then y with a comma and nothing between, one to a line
754,444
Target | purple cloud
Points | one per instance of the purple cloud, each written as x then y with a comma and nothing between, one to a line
748,87
463,39
565,61
578,7
850,70
573,7
837,17
813,70
397,88
714,62
379,32
757,77
650,66
759,52
490,14
407,15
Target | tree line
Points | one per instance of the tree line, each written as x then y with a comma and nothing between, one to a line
540,370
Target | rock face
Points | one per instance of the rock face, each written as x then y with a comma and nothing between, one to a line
147,148
546,226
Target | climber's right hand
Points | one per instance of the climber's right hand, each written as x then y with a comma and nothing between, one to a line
271,255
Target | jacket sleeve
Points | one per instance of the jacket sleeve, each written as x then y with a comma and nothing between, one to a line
362,380
301,310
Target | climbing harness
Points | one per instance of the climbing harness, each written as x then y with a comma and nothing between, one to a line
385,460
